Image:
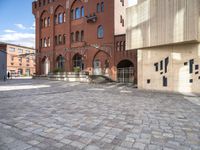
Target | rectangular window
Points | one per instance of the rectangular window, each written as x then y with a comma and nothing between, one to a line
161,65
191,62
196,67
156,66
166,64
122,1
148,81
11,58
164,81
20,51
27,59
20,59
27,51
12,49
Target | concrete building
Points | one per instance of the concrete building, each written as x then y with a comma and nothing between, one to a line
166,34
20,59
84,34
3,68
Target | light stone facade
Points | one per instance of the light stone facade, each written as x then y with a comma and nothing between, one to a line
178,74
162,22
120,16
166,35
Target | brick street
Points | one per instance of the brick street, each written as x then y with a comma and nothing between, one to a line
51,115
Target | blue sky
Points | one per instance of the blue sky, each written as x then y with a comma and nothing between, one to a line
17,22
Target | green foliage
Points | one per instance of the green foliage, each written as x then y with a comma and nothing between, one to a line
58,70
77,69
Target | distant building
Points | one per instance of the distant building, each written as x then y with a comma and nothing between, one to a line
167,36
3,68
84,34
20,59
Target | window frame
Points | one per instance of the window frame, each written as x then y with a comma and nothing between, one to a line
99,30
77,13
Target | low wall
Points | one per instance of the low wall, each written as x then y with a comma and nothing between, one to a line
69,76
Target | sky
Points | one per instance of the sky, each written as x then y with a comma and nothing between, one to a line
17,24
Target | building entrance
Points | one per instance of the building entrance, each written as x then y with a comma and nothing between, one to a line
125,72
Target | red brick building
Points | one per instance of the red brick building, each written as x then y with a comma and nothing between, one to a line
84,34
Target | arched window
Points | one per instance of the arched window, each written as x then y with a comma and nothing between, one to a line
82,11
121,46
82,36
64,17
56,19
98,8
118,46
39,3
40,42
72,37
124,44
102,6
60,18
49,42
45,42
78,61
41,23
72,14
100,31
77,13
44,2
60,39
48,21
60,62
77,36
45,22
64,39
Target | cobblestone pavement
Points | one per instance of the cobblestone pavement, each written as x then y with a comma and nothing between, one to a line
51,115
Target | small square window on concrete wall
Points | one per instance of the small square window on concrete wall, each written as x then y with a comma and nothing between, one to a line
148,81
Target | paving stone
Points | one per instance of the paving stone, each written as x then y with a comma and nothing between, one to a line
33,142
66,141
78,144
140,146
91,147
101,118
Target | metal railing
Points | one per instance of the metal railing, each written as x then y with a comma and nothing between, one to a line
125,75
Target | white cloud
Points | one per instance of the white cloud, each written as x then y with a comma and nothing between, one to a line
33,26
21,26
9,31
24,39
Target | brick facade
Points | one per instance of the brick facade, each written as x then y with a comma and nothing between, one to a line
66,29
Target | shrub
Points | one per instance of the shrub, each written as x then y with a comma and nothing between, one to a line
77,69
58,70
